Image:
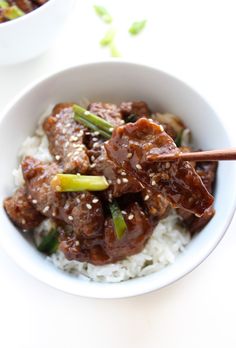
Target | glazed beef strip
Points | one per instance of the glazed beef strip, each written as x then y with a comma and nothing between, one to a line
21,211
137,109
120,181
66,139
131,146
24,5
207,172
156,205
109,112
83,211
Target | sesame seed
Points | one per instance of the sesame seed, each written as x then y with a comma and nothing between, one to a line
53,214
111,129
109,181
122,122
161,129
88,206
92,165
29,197
95,144
77,200
110,197
76,146
67,144
153,210
74,138
124,212
129,155
151,175
77,243
63,131
123,173
96,133
69,154
153,182
67,125
46,209
138,166
34,201
146,197
23,221
95,139
92,158
95,200
167,165
57,157
118,181
87,113
70,218
130,217
83,195
125,180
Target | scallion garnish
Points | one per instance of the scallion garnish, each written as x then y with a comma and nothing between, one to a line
118,220
137,27
77,183
4,4
108,37
103,13
92,121
178,139
114,51
49,243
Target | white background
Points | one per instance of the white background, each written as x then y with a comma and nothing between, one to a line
194,40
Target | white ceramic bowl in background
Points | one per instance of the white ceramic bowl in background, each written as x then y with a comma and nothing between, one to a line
26,37
115,82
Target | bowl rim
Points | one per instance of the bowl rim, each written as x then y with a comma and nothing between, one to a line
151,286
27,15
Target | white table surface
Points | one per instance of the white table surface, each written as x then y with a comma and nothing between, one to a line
194,40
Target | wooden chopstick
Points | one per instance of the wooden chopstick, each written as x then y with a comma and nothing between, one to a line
213,155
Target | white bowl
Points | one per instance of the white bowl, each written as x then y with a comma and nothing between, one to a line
115,82
30,35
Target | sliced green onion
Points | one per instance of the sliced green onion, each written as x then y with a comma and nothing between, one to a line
4,4
108,37
137,27
118,220
131,118
49,243
13,12
94,119
114,51
91,126
76,183
103,13
178,139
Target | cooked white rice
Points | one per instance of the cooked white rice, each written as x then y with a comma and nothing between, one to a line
167,241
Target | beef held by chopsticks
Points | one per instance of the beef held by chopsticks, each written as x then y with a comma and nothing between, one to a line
176,181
